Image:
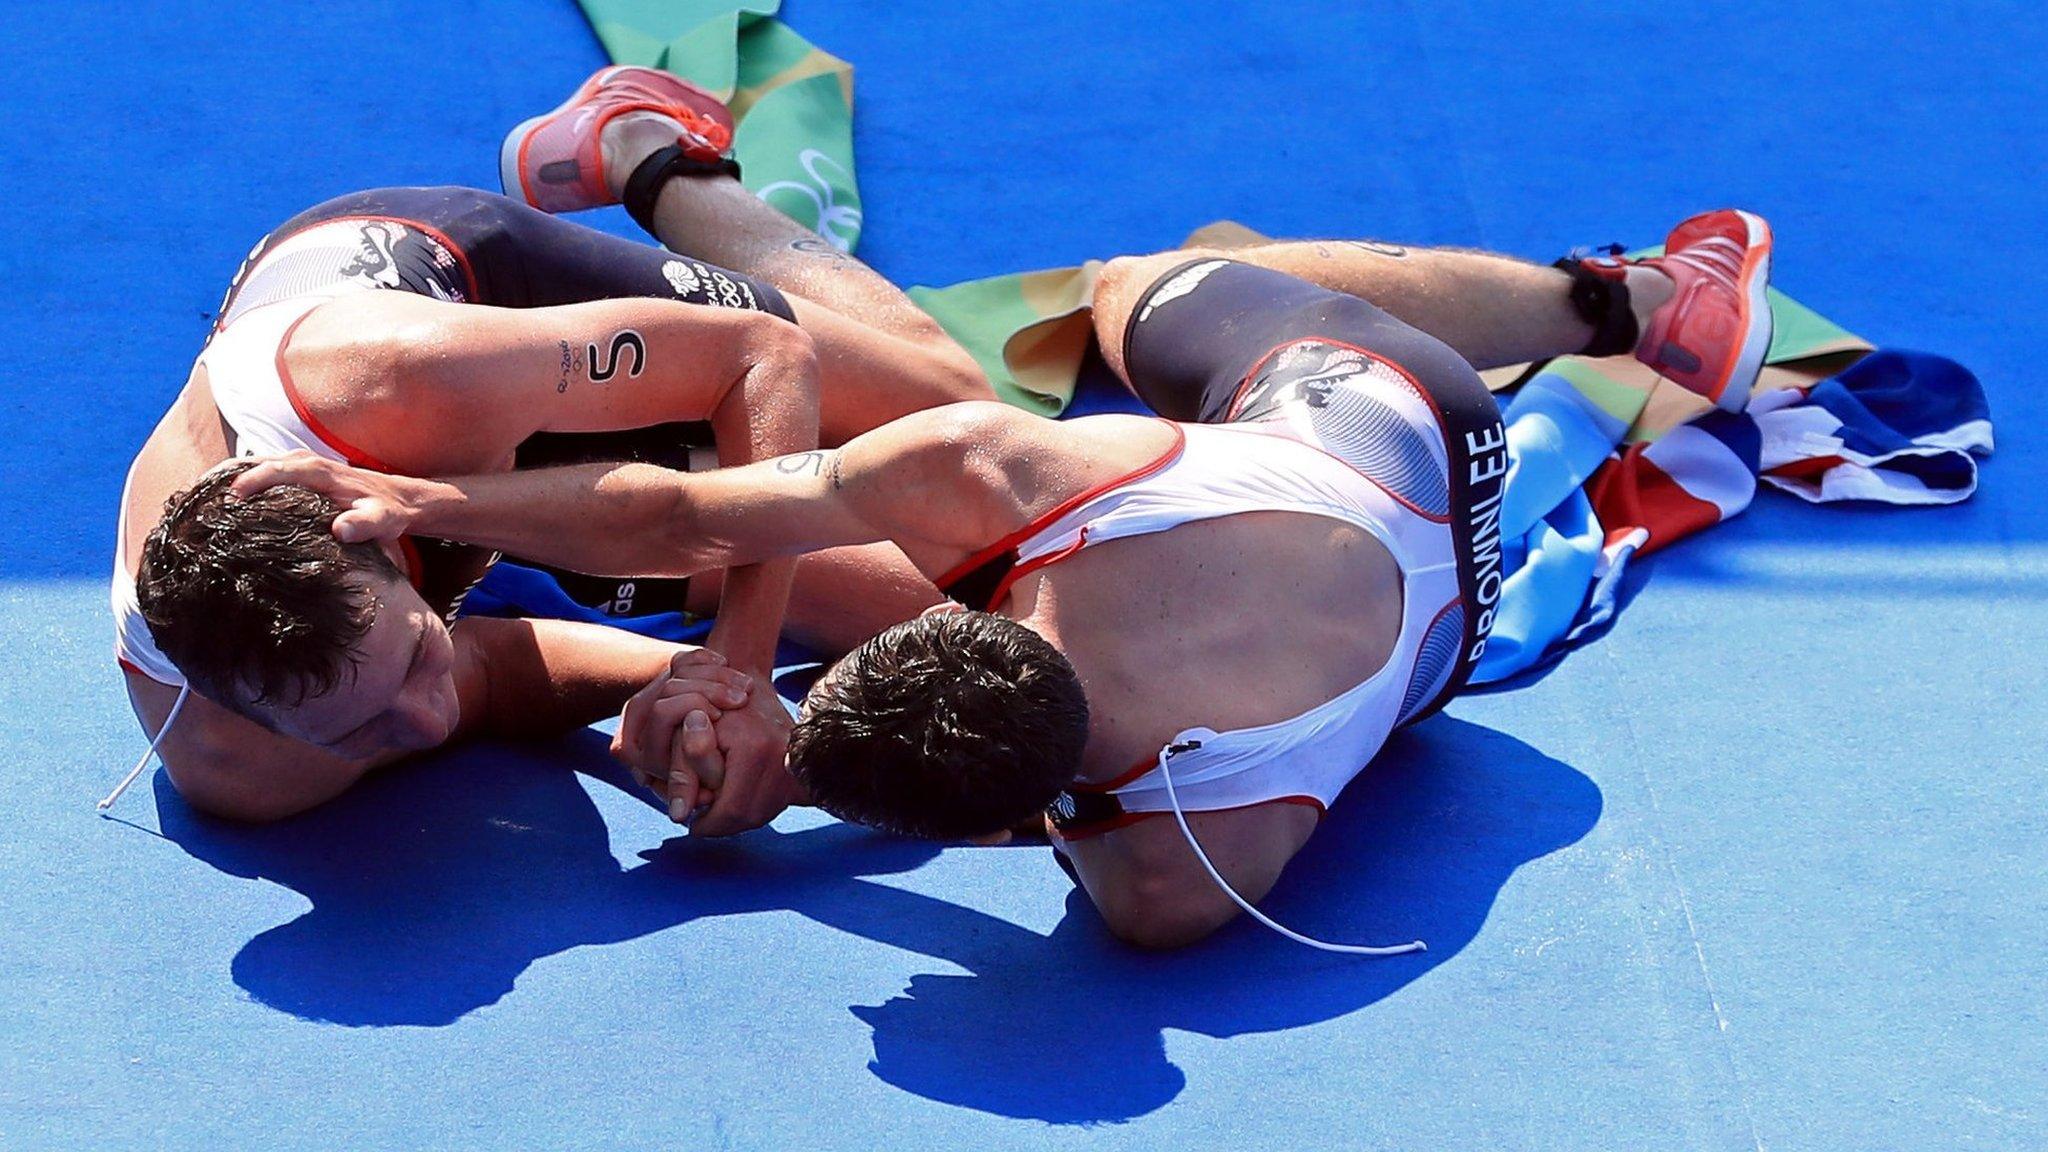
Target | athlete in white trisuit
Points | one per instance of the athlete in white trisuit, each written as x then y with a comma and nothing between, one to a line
1221,613
444,329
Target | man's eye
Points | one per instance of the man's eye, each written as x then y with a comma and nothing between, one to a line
361,740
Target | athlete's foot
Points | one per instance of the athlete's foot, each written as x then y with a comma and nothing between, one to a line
1711,335
581,154
1700,309
629,140
1648,290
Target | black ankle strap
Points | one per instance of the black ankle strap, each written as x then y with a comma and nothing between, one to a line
644,186
1602,301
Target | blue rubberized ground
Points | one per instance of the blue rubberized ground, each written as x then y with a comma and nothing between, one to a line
1763,868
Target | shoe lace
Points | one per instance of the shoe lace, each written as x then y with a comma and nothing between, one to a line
1716,256
702,134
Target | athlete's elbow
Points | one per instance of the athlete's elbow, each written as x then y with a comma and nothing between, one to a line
771,407
778,339
786,357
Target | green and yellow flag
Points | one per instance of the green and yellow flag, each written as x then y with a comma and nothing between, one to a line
1030,330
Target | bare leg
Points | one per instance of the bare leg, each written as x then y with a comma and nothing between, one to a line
881,357
1493,310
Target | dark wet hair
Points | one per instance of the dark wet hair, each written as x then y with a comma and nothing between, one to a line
254,599
946,727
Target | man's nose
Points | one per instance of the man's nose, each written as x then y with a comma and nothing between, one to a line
425,722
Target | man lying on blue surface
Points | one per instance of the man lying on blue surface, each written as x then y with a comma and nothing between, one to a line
435,330
1218,615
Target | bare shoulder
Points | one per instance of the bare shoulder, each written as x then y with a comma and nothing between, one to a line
361,348
382,371
185,443
1035,461
1047,462
1153,892
343,357
357,319
990,466
226,766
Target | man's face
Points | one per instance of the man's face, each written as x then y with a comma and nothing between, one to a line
401,697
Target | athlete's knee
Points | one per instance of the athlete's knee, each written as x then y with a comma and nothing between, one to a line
1120,282
1117,288
1114,278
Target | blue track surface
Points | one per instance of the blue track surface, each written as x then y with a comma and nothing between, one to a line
1762,868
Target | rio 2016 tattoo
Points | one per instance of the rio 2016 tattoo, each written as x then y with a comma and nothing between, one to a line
568,363
801,464
603,368
1391,251
817,246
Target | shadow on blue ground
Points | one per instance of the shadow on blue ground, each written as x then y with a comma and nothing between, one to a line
434,889
1419,846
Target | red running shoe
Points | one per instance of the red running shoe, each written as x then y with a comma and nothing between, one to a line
555,161
1711,336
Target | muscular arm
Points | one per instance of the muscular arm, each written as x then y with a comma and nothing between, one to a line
515,679
938,483
440,388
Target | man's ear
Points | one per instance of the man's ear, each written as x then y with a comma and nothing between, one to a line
944,608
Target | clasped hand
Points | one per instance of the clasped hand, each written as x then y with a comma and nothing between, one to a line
711,741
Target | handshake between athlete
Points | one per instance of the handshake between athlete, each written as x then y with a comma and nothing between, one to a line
1168,642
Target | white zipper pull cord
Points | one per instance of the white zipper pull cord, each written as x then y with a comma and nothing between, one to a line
1180,817
129,780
